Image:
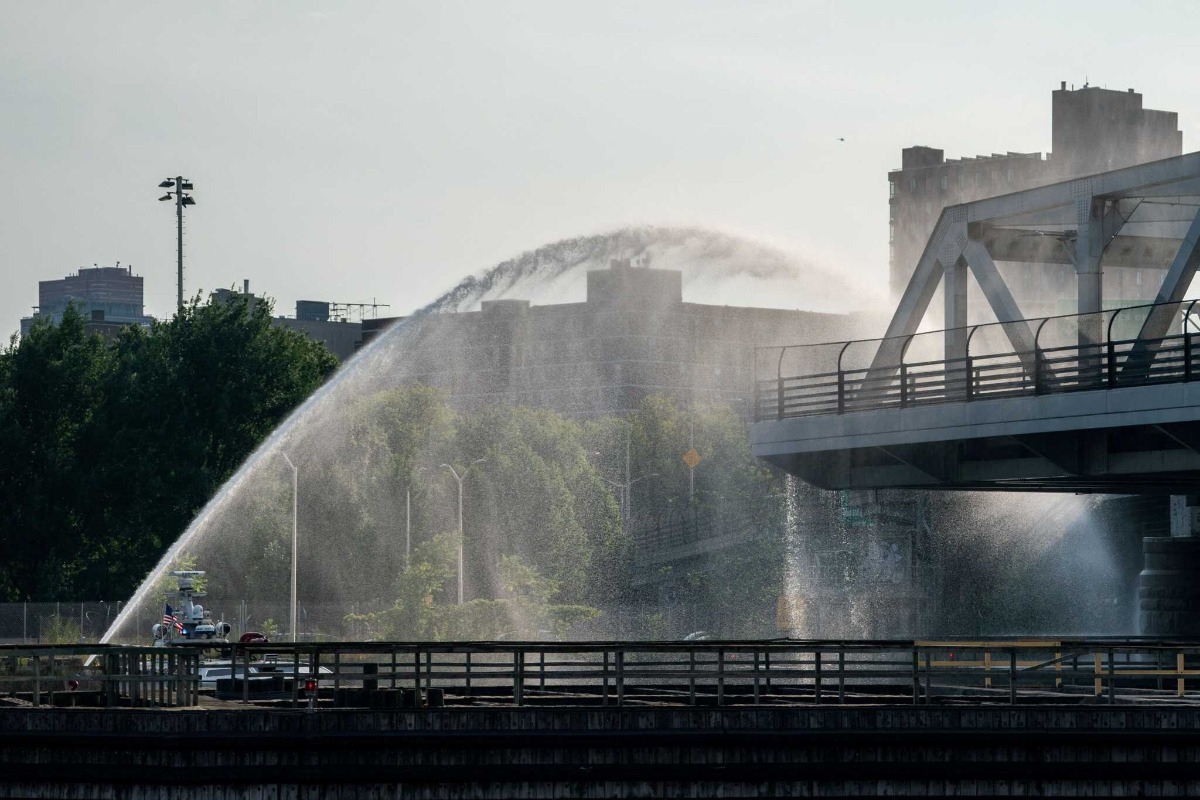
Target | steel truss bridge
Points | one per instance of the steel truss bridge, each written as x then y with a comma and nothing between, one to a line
1102,400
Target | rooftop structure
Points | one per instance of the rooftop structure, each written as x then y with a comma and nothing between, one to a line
1093,130
108,297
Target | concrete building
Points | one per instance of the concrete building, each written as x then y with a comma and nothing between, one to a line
313,318
1093,130
632,337
108,297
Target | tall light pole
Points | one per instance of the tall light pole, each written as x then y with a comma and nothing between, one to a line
295,537
460,479
181,185
408,516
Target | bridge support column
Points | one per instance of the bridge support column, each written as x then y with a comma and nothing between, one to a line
1169,586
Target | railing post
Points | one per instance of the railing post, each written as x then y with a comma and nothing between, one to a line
620,658
916,677
1012,677
1187,354
841,392
1037,370
779,399
1112,365
756,677
969,377
841,676
1112,678
692,677
519,677
720,677
604,700
903,385
817,680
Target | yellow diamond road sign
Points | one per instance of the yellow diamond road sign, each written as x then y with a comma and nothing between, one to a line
691,458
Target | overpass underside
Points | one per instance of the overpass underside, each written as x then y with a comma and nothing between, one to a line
1142,440
1103,400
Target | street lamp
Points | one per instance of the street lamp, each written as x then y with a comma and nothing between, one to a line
627,496
295,538
460,479
624,487
181,186
408,516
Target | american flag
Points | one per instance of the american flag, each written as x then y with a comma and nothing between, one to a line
169,618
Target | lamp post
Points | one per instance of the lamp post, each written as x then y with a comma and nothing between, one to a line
624,487
295,537
459,479
408,517
626,496
181,185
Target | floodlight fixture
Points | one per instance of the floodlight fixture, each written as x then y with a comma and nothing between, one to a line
180,184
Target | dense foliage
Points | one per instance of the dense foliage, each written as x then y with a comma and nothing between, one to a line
545,543
109,447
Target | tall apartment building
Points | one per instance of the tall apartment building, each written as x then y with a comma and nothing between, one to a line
1093,130
107,297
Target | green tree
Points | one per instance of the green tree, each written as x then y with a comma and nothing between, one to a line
537,496
109,448
426,607
51,385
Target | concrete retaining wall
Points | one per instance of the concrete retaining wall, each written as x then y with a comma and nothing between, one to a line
486,753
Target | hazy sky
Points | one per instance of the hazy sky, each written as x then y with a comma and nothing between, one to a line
359,150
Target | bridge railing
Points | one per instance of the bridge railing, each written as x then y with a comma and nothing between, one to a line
1130,346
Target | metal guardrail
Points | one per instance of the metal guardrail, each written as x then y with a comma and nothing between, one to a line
746,672
678,673
1103,361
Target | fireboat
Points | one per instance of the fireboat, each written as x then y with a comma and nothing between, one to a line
189,623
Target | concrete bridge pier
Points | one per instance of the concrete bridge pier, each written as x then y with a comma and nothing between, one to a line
1169,585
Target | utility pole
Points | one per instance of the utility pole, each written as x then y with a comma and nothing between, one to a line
691,448
181,185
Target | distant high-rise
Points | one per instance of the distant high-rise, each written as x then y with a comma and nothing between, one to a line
107,297
1093,130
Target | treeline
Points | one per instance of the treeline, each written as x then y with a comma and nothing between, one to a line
545,541
108,447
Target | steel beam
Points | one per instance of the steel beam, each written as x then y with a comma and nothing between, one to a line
1175,284
920,290
1001,300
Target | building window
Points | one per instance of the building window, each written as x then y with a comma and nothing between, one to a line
1010,174
912,185
929,184
892,234
928,207
945,182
